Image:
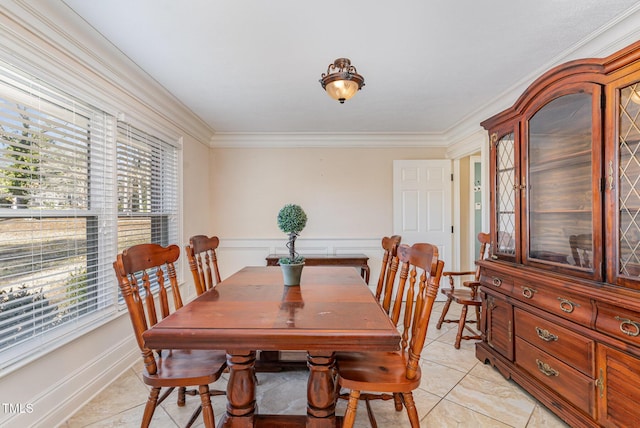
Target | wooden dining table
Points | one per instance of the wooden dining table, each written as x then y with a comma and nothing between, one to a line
332,310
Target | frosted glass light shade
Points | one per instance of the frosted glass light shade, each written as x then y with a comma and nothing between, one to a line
341,81
341,90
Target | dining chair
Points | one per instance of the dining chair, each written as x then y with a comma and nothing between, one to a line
203,262
389,247
467,296
394,375
146,273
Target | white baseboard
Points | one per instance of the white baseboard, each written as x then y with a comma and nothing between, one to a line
92,379
59,401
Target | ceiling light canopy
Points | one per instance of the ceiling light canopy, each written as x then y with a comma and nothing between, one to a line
341,81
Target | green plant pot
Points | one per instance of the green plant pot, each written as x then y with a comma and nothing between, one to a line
291,274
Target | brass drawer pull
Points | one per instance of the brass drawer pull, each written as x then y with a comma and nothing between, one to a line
546,369
528,292
545,335
610,175
567,305
600,384
628,327
497,282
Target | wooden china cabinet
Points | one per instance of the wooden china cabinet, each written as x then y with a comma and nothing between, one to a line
561,289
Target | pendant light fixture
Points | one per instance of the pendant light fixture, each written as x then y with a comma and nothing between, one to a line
341,81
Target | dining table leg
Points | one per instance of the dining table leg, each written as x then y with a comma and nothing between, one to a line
321,400
241,390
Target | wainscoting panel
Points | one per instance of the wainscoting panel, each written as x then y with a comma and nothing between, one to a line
234,254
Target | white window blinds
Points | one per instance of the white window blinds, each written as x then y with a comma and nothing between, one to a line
56,211
76,187
147,188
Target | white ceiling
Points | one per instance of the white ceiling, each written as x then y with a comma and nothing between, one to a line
253,65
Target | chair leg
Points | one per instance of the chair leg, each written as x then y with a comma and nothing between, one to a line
445,309
166,393
150,407
372,418
207,409
463,320
412,412
194,416
181,396
350,413
397,399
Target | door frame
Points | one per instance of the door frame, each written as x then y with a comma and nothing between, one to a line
473,232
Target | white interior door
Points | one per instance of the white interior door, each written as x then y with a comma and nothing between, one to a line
422,204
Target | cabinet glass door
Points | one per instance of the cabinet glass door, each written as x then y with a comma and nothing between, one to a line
628,195
560,183
505,215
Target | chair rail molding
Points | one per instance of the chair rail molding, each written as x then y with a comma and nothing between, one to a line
235,253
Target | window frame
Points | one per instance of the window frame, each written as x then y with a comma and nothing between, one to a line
108,305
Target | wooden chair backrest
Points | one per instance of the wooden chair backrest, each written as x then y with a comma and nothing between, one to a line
485,241
203,262
416,290
390,247
505,243
143,270
581,247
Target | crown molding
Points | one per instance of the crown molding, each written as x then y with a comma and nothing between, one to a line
466,136
468,145
57,44
53,43
325,139
616,35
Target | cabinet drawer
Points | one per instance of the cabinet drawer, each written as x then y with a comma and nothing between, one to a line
564,380
496,281
557,341
571,307
618,322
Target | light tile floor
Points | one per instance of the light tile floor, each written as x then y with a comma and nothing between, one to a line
457,390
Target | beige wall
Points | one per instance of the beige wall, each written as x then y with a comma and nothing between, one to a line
196,185
465,219
235,193
93,360
346,192
468,235
57,379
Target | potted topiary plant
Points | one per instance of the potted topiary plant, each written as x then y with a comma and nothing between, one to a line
291,220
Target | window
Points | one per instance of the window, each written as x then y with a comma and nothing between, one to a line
147,188
76,187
